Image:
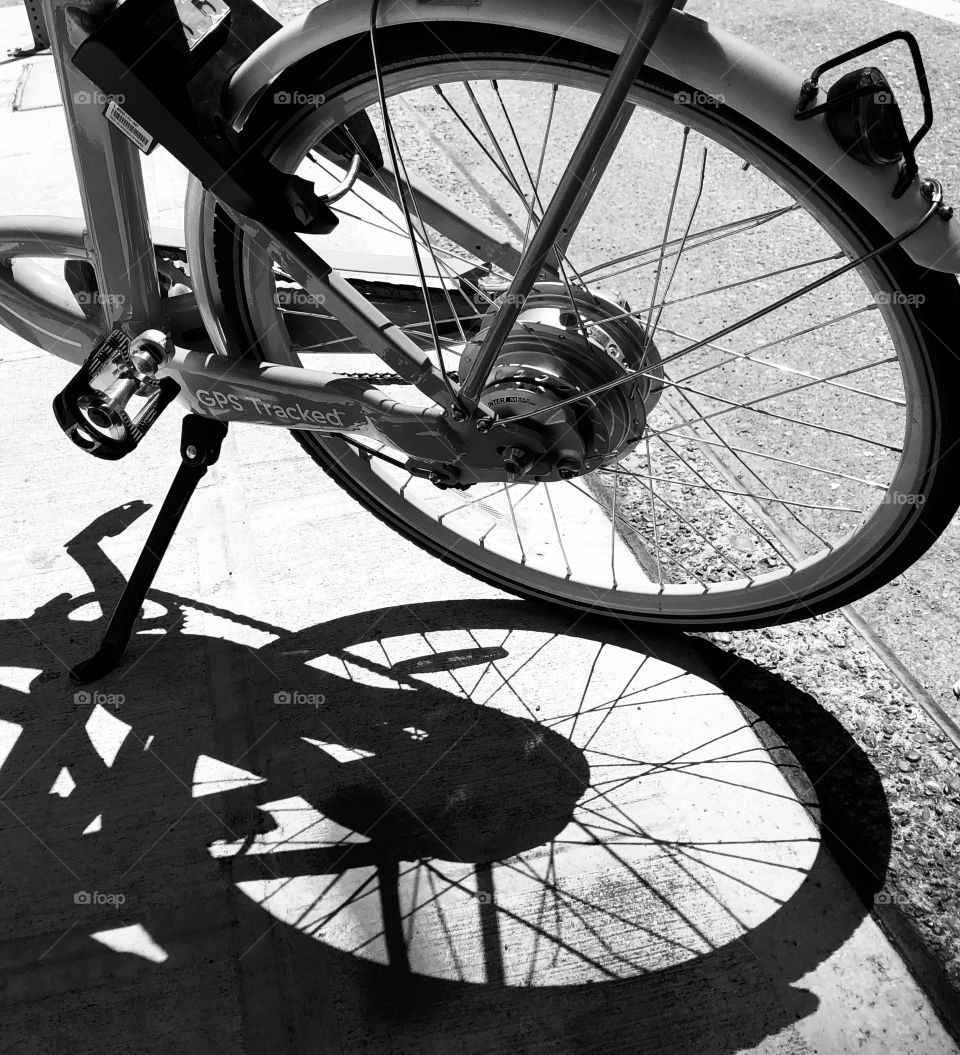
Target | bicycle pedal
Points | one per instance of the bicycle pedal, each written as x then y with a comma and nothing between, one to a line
96,409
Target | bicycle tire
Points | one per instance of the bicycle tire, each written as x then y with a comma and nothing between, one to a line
937,299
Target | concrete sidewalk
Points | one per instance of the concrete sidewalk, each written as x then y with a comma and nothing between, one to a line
342,798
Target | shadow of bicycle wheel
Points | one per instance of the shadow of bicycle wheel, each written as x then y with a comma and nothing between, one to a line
472,826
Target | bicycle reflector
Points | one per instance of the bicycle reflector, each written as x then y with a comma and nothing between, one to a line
863,114
866,119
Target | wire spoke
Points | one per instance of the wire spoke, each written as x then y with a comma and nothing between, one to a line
562,261
652,331
686,485
666,229
753,279
613,524
751,405
632,528
513,517
776,549
701,535
653,513
556,526
540,163
728,471
698,239
792,462
782,367
402,178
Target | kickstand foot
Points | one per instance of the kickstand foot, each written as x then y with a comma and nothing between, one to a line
200,442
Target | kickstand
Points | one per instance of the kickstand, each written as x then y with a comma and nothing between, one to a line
200,442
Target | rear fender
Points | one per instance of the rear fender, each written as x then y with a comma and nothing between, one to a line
720,65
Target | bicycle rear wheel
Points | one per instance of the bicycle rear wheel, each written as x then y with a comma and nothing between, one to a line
787,468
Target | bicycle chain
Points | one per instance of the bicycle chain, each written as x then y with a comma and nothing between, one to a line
387,379
376,379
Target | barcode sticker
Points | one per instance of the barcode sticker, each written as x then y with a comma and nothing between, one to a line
135,132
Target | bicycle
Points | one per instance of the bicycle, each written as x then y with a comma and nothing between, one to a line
493,391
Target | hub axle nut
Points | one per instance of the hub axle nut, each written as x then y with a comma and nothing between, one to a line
517,461
568,469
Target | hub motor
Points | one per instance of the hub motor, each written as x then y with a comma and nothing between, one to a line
550,357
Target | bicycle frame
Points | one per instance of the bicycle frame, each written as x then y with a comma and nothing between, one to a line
117,240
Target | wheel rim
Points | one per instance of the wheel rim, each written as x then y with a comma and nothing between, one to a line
710,573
